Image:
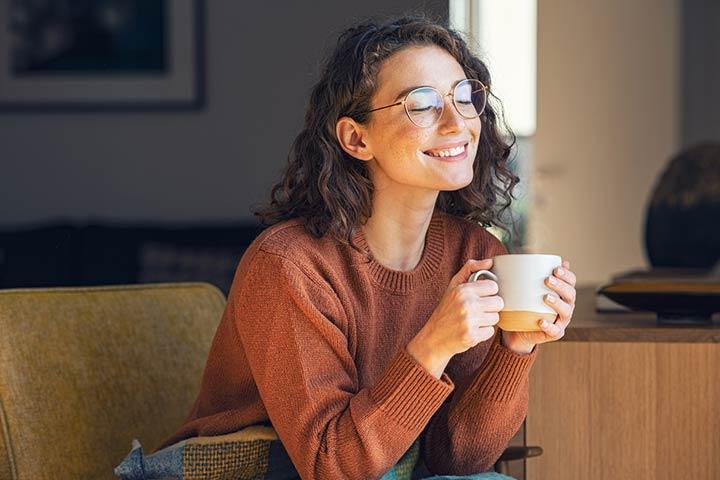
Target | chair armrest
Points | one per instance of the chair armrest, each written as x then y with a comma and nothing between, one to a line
515,453
520,453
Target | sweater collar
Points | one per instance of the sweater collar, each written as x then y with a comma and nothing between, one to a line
400,282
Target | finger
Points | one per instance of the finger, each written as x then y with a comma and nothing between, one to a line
565,290
553,330
563,322
481,314
562,308
485,333
566,275
485,319
468,269
566,264
491,303
482,288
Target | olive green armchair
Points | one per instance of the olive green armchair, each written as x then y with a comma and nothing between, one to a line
83,371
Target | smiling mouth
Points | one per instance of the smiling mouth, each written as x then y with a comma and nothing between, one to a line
448,153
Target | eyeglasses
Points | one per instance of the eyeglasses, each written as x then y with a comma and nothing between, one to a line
424,105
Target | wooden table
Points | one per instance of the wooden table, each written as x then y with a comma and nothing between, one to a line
621,397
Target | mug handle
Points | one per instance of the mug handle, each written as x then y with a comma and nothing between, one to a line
480,273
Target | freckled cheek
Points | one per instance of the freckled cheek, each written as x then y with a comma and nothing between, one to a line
405,139
476,128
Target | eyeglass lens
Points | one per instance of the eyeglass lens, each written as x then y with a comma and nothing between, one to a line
424,105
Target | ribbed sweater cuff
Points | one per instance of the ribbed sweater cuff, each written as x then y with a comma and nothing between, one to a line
408,393
502,373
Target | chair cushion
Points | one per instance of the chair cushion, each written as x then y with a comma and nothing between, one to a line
83,371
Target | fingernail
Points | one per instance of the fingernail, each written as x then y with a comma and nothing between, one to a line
543,323
552,280
551,298
560,272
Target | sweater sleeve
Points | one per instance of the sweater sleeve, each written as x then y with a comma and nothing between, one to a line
294,333
470,432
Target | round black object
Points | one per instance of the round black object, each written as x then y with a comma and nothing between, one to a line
682,227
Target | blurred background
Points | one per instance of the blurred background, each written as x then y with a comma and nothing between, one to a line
135,136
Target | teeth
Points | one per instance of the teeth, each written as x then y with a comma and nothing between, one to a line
448,153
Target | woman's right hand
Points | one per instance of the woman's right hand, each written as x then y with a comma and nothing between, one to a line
465,316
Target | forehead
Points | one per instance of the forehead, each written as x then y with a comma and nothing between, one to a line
415,66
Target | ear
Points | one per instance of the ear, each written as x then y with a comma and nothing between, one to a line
352,137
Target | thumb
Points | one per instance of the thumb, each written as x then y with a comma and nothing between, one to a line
468,269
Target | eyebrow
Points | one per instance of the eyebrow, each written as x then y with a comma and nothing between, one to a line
407,90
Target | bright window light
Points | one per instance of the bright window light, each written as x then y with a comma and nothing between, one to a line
505,32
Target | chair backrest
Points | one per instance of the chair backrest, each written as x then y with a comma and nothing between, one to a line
83,371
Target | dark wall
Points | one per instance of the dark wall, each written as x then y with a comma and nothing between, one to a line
211,165
701,71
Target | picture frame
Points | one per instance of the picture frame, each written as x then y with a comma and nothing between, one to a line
150,56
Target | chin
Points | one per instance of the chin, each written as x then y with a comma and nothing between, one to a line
457,185
466,180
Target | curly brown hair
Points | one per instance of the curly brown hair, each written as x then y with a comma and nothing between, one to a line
332,191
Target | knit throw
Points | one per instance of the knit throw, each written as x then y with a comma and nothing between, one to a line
252,453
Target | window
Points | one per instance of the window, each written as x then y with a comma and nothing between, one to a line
503,33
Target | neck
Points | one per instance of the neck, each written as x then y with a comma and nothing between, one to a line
396,232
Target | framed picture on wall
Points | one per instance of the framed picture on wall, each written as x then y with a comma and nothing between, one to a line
101,55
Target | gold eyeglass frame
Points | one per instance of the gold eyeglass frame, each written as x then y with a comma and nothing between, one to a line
451,93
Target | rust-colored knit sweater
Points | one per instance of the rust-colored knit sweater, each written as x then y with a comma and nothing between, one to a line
313,340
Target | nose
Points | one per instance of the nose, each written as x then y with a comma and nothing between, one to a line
450,121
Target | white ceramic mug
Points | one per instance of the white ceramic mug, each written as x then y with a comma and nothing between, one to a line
521,284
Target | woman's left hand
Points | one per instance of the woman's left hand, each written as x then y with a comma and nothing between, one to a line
562,281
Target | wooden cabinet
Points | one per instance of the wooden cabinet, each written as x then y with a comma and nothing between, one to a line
619,397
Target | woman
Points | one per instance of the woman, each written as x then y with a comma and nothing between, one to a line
350,326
